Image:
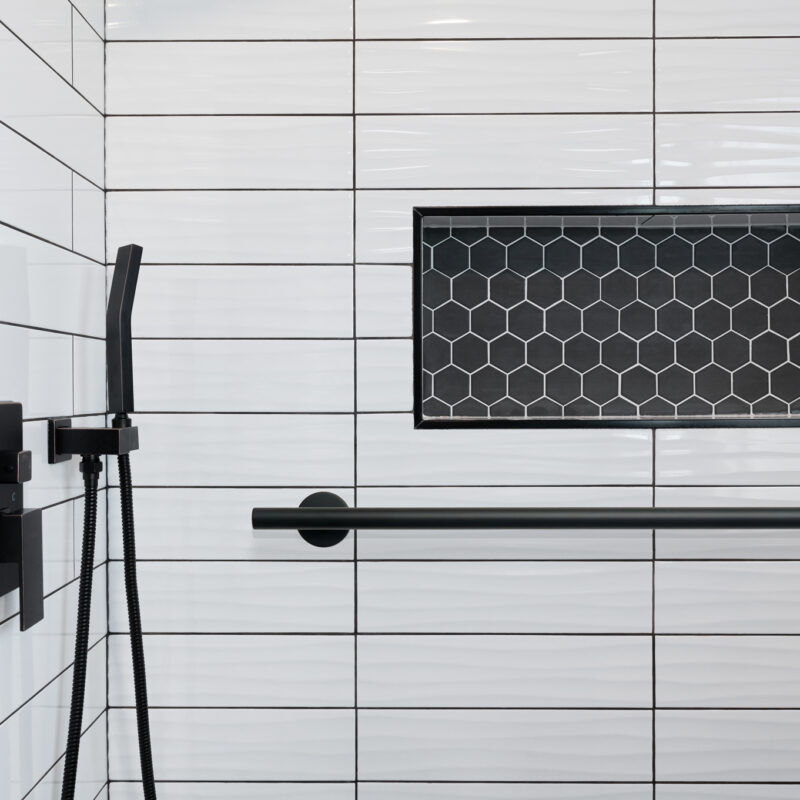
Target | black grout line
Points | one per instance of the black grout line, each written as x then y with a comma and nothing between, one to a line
643,112
50,242
456,39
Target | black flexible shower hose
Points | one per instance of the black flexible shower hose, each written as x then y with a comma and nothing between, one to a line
91,467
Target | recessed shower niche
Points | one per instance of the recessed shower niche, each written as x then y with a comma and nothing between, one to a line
582,316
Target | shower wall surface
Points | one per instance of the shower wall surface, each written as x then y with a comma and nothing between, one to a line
52,302
268,157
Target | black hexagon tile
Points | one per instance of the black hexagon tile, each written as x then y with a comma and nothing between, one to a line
645,315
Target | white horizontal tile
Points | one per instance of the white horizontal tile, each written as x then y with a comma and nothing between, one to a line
88,219
35,737
231,597
391,452
89,379
726,791
728,150
237,671
240,791
92,769
229,152
503,76
237,744
243,301
233,227
31,660
274,449
728,671
728,457
383,300
241,375
216,524
229,77
505,671
508,597
93,11
526,152
43,26
45,109
504,745
507,791
727,18
727,597
730,542
35,190
88,56
727,75
757,195
385,375
506,18
384,218
223,19
38,370
456,543
727,745
49,287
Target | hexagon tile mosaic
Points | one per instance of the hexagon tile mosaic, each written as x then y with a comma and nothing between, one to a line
625,317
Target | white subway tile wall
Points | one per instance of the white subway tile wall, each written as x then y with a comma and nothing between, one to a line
52,326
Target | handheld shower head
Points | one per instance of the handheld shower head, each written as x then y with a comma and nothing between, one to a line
119,360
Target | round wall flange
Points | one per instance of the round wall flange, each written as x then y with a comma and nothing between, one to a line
328,537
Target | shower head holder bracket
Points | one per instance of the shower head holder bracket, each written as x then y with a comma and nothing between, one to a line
65,441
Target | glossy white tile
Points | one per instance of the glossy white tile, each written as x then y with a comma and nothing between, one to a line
223,19
757,195
93,12
457,544
38,370
243,376
35,736
272,449
88,220
46,110
507,597
727,597
383,300
727,745
229,152
234,227
237,744
727,18
384,218
504,671
214,524
35,190
49,287
720,457
727,150
229,78
88,68
726,791
500,791
507,18
749,74
458,76
526,152
44,27
728,543
244,301
728,671
237,671
89,377
198,597
391,452
239,791
504,745
385,375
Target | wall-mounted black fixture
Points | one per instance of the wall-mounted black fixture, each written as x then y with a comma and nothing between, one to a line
324,519
20,528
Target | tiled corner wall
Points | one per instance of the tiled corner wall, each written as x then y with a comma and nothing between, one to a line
267,157
52,301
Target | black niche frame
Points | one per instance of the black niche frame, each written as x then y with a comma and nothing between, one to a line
419,213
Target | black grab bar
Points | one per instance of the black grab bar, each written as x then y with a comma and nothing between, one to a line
324,519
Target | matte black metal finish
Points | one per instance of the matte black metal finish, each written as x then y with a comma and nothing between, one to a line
323,537
337,519
119,358
66,441
21,562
